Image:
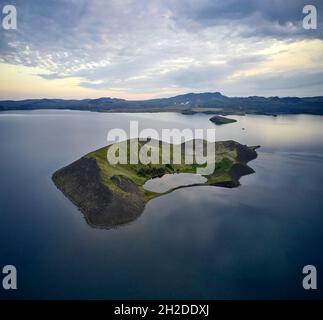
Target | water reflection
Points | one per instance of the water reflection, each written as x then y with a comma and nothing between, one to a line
171,181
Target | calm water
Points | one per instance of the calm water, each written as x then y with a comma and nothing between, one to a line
171,181
200,242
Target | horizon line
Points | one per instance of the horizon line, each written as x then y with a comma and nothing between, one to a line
160,98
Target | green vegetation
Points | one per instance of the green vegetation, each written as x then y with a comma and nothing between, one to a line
225,157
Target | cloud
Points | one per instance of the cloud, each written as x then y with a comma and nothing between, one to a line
278,83
155,46
275,18
283,81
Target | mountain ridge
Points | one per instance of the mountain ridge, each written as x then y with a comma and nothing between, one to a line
209,102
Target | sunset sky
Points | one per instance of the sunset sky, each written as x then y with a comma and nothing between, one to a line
146,49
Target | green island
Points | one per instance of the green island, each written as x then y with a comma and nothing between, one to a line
218,120
112,195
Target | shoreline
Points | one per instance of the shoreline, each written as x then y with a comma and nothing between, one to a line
169,111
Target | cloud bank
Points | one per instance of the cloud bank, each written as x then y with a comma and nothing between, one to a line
159,48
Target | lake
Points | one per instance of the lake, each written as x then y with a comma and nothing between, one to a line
250,242
171,181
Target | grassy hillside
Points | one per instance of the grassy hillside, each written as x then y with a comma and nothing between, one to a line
224,159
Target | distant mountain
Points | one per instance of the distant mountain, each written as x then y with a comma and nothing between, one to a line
193,99
208,102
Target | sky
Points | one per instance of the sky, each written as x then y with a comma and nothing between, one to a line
158,48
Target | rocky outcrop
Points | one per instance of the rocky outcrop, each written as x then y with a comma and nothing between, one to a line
82,183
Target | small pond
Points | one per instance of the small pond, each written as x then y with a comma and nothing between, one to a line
171,181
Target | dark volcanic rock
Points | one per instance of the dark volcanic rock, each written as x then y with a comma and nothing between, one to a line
82,183
244,155
238,170
218,120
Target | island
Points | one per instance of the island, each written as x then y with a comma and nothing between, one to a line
218,120
112,195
